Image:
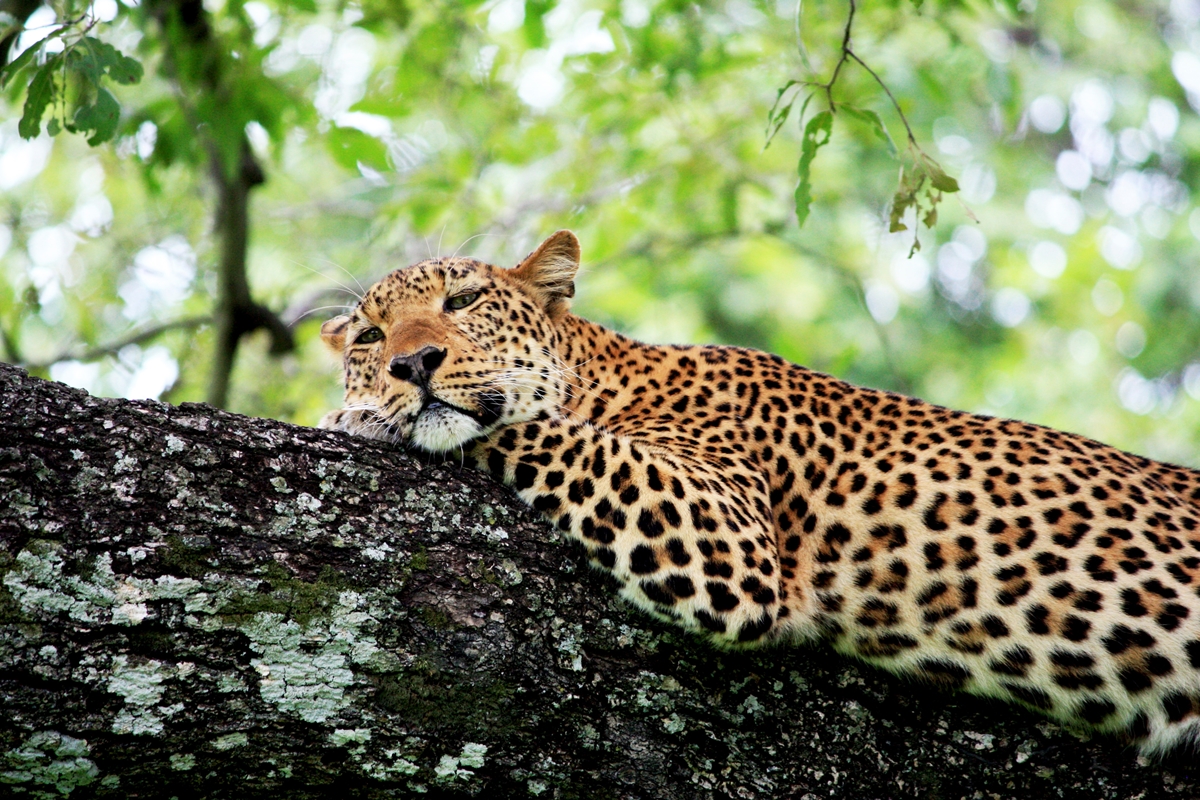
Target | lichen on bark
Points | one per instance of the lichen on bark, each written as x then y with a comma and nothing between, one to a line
244,608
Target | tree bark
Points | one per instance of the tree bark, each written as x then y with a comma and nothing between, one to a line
240,608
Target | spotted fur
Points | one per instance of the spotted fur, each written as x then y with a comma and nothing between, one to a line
753,500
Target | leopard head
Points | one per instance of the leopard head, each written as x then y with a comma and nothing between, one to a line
449,349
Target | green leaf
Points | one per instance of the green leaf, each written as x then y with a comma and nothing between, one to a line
905,198
29,53
534,26
939,179
777,116
379,16
349,146
40,94
125,70
816,135
17,64
84,62
930,216
384,106
875,122
94,59
101,116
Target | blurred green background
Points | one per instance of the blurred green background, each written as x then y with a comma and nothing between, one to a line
390,131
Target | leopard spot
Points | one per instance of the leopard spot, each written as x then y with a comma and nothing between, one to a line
642,560
720,596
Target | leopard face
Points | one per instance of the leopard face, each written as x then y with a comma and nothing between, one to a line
448,350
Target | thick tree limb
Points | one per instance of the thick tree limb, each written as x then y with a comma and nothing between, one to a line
236,607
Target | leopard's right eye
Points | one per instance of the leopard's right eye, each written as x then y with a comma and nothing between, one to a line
369,335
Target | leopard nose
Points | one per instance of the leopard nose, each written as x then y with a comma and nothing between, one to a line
417,367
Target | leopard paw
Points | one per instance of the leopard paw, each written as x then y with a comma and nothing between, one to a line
358,422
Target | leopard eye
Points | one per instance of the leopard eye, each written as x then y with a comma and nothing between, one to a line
369,335
461,300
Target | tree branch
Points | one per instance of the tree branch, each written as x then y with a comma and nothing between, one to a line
238,607
235,312
137,337
20,10
837,68
912,139
926,176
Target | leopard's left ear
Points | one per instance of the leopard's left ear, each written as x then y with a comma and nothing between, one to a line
550,271
333,333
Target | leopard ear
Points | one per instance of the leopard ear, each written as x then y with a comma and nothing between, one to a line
333,333
549,272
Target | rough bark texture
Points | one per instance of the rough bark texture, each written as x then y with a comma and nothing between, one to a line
240,608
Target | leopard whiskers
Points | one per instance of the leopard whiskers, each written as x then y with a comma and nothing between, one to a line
586,387
523,381
361,407
468,241
344,286
572,371
345,308
382,429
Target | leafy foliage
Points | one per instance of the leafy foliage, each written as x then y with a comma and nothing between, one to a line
82,66
817,131
390,131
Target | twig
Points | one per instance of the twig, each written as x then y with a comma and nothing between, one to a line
849,54
912,139
827,86
91,354
837,68
236,313
800,37
926,176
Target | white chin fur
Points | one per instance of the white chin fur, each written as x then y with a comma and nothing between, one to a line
439,430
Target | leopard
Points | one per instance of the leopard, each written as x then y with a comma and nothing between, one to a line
754,501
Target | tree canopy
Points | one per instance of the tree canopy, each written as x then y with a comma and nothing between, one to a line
188,188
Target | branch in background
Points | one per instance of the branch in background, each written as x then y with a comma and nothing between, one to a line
137,337
236,313
20,11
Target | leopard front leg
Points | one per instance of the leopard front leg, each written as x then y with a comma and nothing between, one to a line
689,541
